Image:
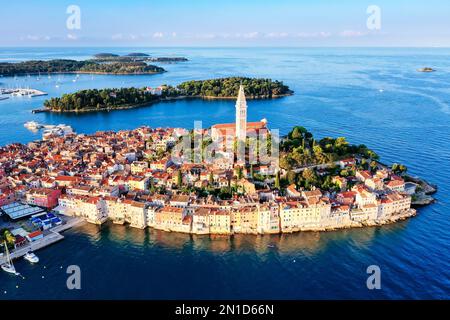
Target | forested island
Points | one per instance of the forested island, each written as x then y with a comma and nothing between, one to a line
74,66
122,98
135,56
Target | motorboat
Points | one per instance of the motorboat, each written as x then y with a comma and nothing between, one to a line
31,257
32,125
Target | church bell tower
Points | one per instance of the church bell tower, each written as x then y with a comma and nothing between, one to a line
241,115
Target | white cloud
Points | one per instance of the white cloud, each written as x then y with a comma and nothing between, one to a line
321,34
251,35
352,33
31,37
158,35
117,36
277,35
71,36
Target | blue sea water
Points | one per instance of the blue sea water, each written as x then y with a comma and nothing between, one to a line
371,96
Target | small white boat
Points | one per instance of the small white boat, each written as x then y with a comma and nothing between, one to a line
31,257
32,125
8,266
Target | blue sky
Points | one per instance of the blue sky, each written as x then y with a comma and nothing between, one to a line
225,23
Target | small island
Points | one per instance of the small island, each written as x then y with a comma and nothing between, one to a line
426,69
124,98
135,56
74,66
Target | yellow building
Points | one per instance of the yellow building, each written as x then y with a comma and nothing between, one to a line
138,183
138,167
219,222
245,219
268,219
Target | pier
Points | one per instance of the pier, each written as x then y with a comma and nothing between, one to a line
49,239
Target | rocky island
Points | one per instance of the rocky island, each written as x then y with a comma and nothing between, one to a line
125,98
426,69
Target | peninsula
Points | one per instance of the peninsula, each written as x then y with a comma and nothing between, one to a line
140,177
74,66
124,98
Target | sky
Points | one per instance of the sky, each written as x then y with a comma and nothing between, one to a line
416,23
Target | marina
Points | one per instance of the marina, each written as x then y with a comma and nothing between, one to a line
20,92
49,130
49,237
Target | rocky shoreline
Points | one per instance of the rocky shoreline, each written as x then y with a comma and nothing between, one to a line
423,191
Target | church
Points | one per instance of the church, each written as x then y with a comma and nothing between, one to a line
241,128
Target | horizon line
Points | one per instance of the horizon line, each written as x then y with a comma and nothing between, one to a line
223,46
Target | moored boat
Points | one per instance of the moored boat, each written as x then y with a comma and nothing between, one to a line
8,266
31,257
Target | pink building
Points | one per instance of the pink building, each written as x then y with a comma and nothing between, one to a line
7,197
43,197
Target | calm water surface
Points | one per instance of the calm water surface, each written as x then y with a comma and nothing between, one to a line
370,96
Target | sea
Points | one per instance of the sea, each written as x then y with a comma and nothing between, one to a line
371,96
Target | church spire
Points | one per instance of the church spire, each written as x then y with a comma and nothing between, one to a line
241,115
241,96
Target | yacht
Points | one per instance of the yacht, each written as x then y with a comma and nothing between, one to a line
32,125
31,257
8,266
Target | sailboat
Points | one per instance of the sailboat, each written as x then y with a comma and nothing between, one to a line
8,266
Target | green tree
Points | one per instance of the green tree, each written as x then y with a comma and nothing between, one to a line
179,179
277,180
310,176
291,177
211,179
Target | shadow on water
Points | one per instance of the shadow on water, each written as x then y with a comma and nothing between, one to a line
306,243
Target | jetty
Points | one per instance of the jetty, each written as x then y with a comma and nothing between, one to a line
39,110
21,92
52,237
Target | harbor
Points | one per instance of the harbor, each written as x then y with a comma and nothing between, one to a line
49,130
29,235
20,92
